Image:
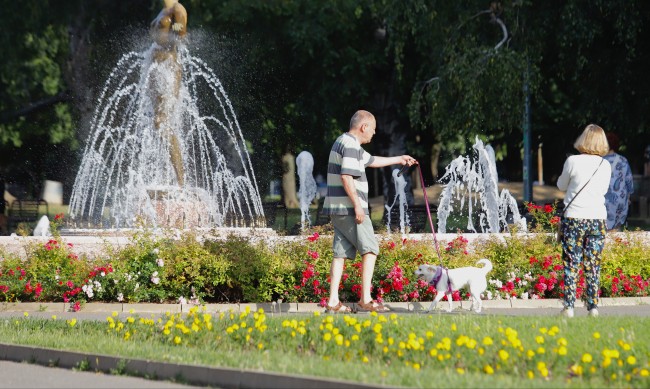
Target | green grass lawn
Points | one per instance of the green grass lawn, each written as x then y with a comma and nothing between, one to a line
423,351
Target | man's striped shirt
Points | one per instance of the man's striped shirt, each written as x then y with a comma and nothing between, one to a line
346,157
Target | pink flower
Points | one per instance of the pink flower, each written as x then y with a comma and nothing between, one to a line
77,306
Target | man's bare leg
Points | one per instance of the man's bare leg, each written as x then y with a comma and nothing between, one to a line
367,270
336,272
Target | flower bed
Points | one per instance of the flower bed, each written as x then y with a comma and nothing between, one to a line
183,268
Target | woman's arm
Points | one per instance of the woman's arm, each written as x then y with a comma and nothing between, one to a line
563,180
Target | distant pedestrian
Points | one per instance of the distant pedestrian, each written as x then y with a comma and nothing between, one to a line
585,178
347,205
621,185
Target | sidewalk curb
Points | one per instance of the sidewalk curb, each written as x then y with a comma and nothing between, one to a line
296,308
192,374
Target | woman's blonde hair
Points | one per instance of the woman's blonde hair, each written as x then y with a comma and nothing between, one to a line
592,141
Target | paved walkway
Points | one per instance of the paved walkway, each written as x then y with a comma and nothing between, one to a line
24,375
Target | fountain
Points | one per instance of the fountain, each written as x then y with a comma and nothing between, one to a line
307,191
165,144
475,182
400,195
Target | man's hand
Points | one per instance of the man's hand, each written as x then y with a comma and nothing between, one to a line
359,215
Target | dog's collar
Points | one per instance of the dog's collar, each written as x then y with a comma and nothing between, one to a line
437,276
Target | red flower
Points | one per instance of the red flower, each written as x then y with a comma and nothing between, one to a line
77,306
314,237
554,220
58,216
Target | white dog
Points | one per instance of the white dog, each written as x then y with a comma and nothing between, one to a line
448,280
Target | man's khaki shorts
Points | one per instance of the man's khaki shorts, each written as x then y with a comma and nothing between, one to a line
350,237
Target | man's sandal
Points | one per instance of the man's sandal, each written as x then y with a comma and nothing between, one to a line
372,306
339,308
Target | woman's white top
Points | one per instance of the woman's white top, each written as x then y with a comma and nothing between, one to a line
590,203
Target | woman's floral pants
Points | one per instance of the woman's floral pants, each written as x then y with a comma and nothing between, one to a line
582,243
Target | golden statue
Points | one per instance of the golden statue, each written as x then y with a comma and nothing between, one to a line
168,29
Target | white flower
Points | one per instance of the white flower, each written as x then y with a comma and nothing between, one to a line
156,251
154,278
120,297
489,295
102,274
56,277
496,283
524,296
160,262
181,300
137,285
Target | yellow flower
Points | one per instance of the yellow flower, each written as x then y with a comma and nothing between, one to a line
327,336
364,359
377,327
539,339
127,335
338,339
130,319
25,314
596,335
53,317
562,350
644,373
453,326
503,354
530,354
433,352
488,369
576,369
316,313
177,339
587,358
416,366
71,322
460,370
429,334
114,314
530,374
487,341
260,346
631,360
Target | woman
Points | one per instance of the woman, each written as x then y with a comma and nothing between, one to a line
621,185
584,218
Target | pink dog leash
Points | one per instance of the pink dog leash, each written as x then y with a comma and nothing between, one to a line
438,275
426,203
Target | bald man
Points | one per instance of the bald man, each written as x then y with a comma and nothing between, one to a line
347,205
